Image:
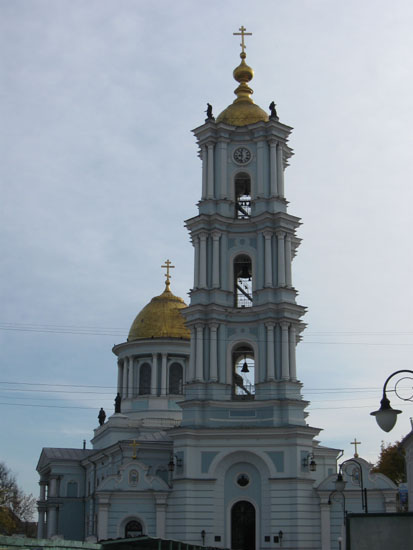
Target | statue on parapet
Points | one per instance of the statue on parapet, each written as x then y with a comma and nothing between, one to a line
208,111
273,111
101,416
118,400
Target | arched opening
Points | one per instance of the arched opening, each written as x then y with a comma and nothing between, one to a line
243,526
145,379
243,372
242,196
175,378
242,281
133,529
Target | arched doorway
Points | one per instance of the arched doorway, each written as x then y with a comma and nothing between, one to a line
243,526
133,529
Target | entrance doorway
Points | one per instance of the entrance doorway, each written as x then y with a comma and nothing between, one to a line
243,526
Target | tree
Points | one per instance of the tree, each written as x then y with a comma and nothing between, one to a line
391,462
16,508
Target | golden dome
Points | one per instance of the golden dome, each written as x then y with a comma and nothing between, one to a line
243,110
161,318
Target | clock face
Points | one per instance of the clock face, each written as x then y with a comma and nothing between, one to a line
242,155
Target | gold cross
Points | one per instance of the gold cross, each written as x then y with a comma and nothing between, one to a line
242,34
134,445
168,266
355,443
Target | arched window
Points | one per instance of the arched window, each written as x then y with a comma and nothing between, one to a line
145,379
242,196
242,281
133,529
71,489
243,372
133,478
175,378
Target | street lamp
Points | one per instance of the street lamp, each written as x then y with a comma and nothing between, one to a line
340,483
386,416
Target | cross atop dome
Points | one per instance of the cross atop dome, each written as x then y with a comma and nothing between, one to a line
168,266
242,34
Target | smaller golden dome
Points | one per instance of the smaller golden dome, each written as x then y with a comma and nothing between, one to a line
161,318
243,110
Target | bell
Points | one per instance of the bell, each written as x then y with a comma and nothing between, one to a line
245,366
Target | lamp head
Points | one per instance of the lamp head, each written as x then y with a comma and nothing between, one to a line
386,417
340,483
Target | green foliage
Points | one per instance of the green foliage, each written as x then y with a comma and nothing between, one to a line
16,508
391,462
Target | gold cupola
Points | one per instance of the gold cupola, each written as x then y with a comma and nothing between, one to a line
162,317
243,110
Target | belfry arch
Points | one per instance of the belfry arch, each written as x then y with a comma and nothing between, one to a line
243,284
242,188
243,372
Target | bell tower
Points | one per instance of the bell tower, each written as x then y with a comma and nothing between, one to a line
243,315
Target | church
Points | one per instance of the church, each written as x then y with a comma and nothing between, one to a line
210,442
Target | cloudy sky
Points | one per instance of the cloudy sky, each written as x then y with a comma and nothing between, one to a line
98,171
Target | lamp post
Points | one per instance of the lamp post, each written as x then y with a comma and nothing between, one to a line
386,416
340,483
339,493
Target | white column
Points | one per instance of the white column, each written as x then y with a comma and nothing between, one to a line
325,526
52,487
215,259
40,523
281,259
130,378
91,516
260,171
204,158
284,352
119,376
103,514
288,261
199,365
196,261
51,521
293,369
280,171
191,374
270,351
160,506
42,490
210,180
224,191
154,374
163,373
213,368
273,169
203,260
268,259
125,377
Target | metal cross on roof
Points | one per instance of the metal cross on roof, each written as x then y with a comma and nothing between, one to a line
168,266
355,443
242,34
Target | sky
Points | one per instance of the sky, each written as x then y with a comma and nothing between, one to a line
99,170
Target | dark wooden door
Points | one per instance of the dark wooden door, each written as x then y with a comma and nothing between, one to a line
243,526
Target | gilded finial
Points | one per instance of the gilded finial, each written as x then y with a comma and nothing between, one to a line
167,266
243,73
243,110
